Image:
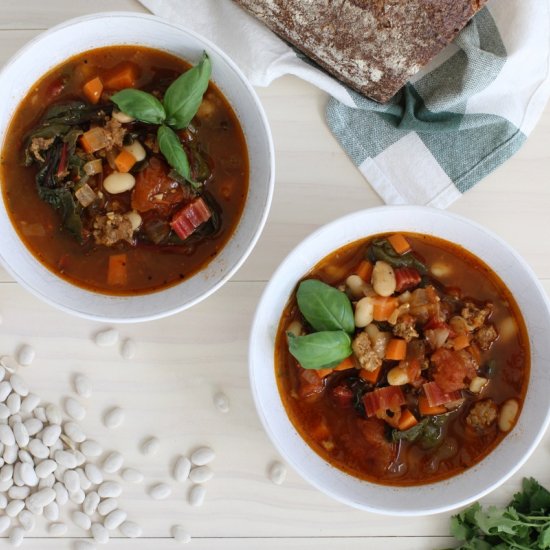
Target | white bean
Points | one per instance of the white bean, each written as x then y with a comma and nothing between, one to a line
107,337
30,403
114,519
10,454
26,519
48,481
6,472
81,520
26,355
106,506
398,377
277,473
2,371
113,463
132,475
150,446
51,511
356,286
441,269
65,459
19,493
197,495
5,522
91,503
5,390
160,491
3,501
109,489
507,415
82,385
57,529
128,348
4,411
383,279
100,533
21,434
14,507
54,414
203,456
119,182
19,385
221,402
113,418
42,498
78,496
130,529
180,534
40,414
6,435
38,449
14,403
74,408
477,384
33,426
16,536
51,434
182,467
364,312
61,494
85,483
45,468
93,473
9,363
71,481
123,118
201,474
136,150
28,475
507,329
91,448
74,431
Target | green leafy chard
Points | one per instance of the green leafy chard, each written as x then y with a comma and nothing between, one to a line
321,349
381,249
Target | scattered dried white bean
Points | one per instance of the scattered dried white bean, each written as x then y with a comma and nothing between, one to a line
14,507
6,435
221,402
196,495
277,473
40,414
66,459
114,519
48,481
128,349
19,385
57,529
201,474
160,491
180,534
150,446
82,385
41,498
132,475
38,449
4,411
54,414
182,467
106,506
114,417
9,363
100,533
30,403
93,473
74,408
2,372
64,438
14,403
26,355
203,456
61,494
89,506
33,425
91,448
130,529
74,431
113,463
51,434
5,390
107,337
77,497
109,489
85,483
19,492
21,434
5,522
81,520
51,511
3,501
28,475
10,454
79,457
6,472
71,481
16,536
27,520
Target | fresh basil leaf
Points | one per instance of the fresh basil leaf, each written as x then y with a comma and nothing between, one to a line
325,307
184,96
172,149
140,105
321,349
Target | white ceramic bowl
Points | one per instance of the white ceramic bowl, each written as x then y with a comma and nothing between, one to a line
459,490
59,43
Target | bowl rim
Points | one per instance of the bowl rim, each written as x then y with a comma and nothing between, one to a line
258,327
245,251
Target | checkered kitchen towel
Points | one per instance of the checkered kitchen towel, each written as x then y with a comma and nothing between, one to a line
462,116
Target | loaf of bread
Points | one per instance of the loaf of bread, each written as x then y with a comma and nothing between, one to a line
374,46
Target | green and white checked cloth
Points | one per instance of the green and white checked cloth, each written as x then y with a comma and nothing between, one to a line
462,116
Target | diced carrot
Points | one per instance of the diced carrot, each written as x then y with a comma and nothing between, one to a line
322,373
117,273
425,410
396,350
461,341
399,243
92,89
383,307
347,363
371,376
475,352
364,270
124,161
123,75
93,140
406,420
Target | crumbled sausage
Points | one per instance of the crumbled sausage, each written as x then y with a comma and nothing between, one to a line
112,228
366,355
114,132
474,316
404,328
485,336
39,144
482,414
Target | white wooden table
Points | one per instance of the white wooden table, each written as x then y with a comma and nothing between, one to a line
183,360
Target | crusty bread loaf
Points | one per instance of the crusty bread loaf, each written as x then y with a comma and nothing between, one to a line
374,46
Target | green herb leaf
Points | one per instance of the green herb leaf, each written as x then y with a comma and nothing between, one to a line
381,249
172,149
63,201
184,96
412,434
140,105
321,349
325,307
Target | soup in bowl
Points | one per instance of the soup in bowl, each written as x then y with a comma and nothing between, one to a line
395,360
137,167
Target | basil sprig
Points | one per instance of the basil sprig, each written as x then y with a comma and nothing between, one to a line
330,313
180,104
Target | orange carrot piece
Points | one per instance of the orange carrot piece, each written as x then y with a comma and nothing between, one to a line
406,420
92,89
364,270
347,363
124,75
93,140
117,273
371,376
461,341
396,350
425,410
475,352
383,307
124,161
399,243
322,373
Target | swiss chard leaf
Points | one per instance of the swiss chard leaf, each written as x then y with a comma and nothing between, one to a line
412,434
325,307
381,249
321,349
172,149
140,105
184,96
62,200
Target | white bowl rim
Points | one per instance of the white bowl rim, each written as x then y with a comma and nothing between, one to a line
271,183
256,329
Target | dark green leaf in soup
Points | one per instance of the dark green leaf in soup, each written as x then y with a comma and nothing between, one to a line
321,349
63,201
184,96
381,249
170,146
140,105
74,113
325,307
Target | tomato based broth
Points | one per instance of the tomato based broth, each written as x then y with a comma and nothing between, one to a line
149,266
330,407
